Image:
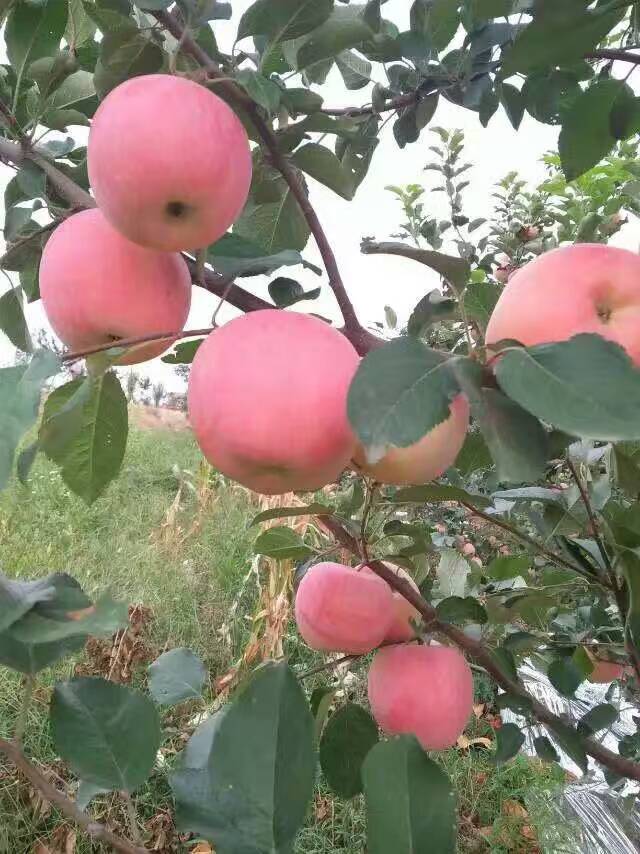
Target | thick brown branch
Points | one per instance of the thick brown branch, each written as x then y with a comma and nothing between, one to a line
97,831
219,285
614,54
479,653
239,96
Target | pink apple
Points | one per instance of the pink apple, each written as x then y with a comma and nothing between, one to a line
428,458
423,690
97,286
575,289
169,162
267,401
339,609
401,629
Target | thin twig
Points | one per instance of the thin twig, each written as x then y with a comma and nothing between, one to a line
132,818
74,355
96,830
595,527
328,665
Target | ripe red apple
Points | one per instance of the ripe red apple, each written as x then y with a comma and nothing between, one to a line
169,162
97,286
574,289
423,690
401,629
428,458
339,609
267,401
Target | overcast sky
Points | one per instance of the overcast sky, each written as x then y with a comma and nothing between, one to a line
375,281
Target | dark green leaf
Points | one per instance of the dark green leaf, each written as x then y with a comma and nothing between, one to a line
19,597
12,320
281,543
503,568
183,353
509,740
80,27
433,492
234,255
571,743
503,657
513,103
285,292
491,8
274,226
108,734
20,391
456,609
432,308
586,135
441,22
76,94
480,299
84,430
454,270
356,71
565,676
598,718
288,19
586,386
474,455
410,802
247,785
125,54
348,737
400,392
521,705
345,28
263,91
547,94
282,512
545,749
43,626
176,676
34,30
323,165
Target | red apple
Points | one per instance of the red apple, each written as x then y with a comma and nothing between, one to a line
169,162
339,609
401,629
267,401
428,458
575,289
97,286
423,690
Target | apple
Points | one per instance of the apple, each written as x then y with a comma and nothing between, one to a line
428,458
267,401
423,690
169,162
97,286
583,288
340,609
400,629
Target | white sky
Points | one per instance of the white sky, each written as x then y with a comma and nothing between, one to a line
375,281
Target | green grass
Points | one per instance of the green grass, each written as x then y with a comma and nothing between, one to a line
116,544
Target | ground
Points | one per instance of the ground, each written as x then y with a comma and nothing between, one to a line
173,539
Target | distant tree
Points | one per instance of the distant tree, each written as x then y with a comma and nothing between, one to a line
158,391
132,381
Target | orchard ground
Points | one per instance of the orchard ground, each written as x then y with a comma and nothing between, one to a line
135,541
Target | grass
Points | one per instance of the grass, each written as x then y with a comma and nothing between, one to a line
135,540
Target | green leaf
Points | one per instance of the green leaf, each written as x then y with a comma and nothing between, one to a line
452,573
13,322
323,165
247,785
509,740
274,226
356,71
20,390
559,33
454,270
441,22
480,299
571,743
565,676
545,749
410,802
86,793
176,676
547,94
348,737
435,492
513,104
125,54
400,392
491,8
33,31
345,28
288,19
432,308
522,705
285,292
84,430
282,512
598,718
108,734
183,353
41,625
281,543
234,255
504,568
586,386
474,455
459,610
76,93
19,597
80,27
586,135
263,91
